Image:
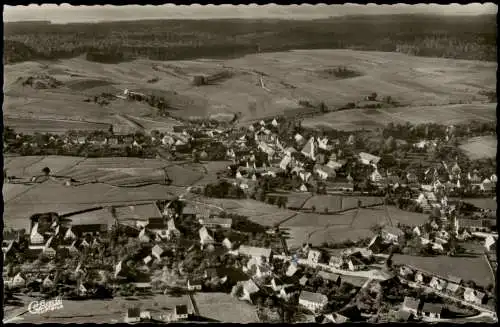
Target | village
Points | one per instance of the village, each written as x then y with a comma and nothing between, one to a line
177,247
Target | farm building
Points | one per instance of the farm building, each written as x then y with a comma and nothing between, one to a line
313,301
431,310
368,159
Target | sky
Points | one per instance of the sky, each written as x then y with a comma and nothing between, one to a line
67,14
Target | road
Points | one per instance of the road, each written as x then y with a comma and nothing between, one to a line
193,303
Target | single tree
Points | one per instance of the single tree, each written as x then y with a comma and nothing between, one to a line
46,171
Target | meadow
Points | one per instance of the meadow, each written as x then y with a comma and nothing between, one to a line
480,147
458,266
426,85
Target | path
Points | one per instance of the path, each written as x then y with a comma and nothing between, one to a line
194,304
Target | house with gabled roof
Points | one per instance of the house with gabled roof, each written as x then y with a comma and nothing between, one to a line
312,301
411,305
432,310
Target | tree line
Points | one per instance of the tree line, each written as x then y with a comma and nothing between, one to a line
430,36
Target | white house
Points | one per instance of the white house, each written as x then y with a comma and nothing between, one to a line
368,159
411,305
19,280
249,288
227,244
193,286
35,236
313,301
309,149
437,284
391,234
314,256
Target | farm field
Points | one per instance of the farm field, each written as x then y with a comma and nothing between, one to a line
480,147
55,197
483,203
350,225
355,119
258,212
107,311
290,76
52,126
225,308
458,266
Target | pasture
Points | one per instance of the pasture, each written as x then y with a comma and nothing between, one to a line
350,225
480,147
288,77
355,119
107,311
225,308
458,266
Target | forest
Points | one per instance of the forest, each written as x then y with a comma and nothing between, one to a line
458,37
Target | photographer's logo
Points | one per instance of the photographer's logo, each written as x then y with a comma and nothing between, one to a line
40,307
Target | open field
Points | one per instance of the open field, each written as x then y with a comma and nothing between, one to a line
374,118
52,126
289,76
225,308
480,147
351,225
483,203
107,311
458,266
258,212
55,197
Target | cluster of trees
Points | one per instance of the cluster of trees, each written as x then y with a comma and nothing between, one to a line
458,37
222,190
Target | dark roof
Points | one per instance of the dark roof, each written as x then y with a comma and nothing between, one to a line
156,223
181,309
89,228
432,307
134,312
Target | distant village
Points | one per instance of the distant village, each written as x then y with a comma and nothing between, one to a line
175,246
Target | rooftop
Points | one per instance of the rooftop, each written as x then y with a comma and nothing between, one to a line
432,308
313,297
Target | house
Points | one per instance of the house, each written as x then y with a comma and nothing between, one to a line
437,284
309,150
324,172
303,188
216,222
19,280
368,159
490,241
314,256
335,318
133,315
292,269
285,162
391,234
249,288
313,301
288,290
376,177
453,284
405,271
473,296
333,278
411,305
143,236
35,236
419,277
205,238
303,280
432,310
194,285
261,254
157,251
335,262
227,244
181,312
